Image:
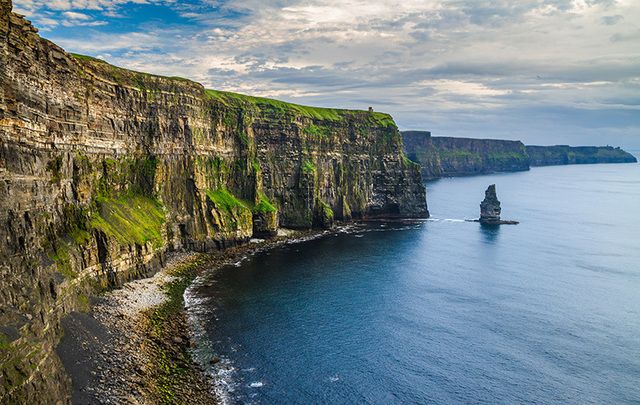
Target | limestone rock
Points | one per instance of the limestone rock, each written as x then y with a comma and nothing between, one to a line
490,207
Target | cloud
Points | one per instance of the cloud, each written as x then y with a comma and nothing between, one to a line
76,16
497,64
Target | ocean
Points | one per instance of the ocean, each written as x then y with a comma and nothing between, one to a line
442,310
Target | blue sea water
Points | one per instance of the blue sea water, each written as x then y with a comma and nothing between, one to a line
444,311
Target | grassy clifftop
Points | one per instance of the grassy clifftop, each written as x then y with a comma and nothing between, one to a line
147,81
567,155
318,113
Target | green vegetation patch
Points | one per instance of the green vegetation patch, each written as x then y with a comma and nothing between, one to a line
236,99
264,206
80,236
62,258
282,107
5,343
327,211
54,166
317,131
132,219
121,75
408,162
383,119
233,213
226,201
87,58
308,167
172,364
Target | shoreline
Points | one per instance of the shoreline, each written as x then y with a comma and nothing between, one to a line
134,345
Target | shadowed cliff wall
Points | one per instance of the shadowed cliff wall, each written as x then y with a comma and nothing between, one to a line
446,156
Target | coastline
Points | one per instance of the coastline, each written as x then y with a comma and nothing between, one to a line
134,344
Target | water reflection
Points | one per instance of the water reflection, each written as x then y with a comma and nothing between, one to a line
490,233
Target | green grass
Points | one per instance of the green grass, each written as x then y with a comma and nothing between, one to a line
408,162
264,206
224,200
317,131
120,73
282,107
5,344
87,58
132,219
308,167
62,258
326,209
80,236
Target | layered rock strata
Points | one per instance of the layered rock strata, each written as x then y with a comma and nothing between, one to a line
447,156
572,155
490,207
104,171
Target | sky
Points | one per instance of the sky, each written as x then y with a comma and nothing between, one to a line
542,71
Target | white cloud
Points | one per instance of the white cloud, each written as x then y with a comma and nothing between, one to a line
76,16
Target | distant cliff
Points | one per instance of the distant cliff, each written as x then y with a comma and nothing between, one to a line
447,156
569,155
103,171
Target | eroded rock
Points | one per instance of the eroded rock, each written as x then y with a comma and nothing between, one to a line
490,209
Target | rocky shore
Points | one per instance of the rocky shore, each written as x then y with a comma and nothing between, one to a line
133,345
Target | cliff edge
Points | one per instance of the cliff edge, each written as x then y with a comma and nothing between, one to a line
572,155
104,171
447,156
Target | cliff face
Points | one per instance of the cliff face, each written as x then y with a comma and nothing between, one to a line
446,156
569,155
103,171
419,147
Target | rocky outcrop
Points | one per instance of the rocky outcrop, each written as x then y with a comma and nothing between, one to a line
490,209
570,155
103,171
446,156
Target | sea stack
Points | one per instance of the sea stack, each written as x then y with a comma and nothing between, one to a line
490,209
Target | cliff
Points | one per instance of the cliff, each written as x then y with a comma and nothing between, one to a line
446,156
569,155
104,171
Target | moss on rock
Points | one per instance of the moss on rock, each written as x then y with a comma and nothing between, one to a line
131,219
